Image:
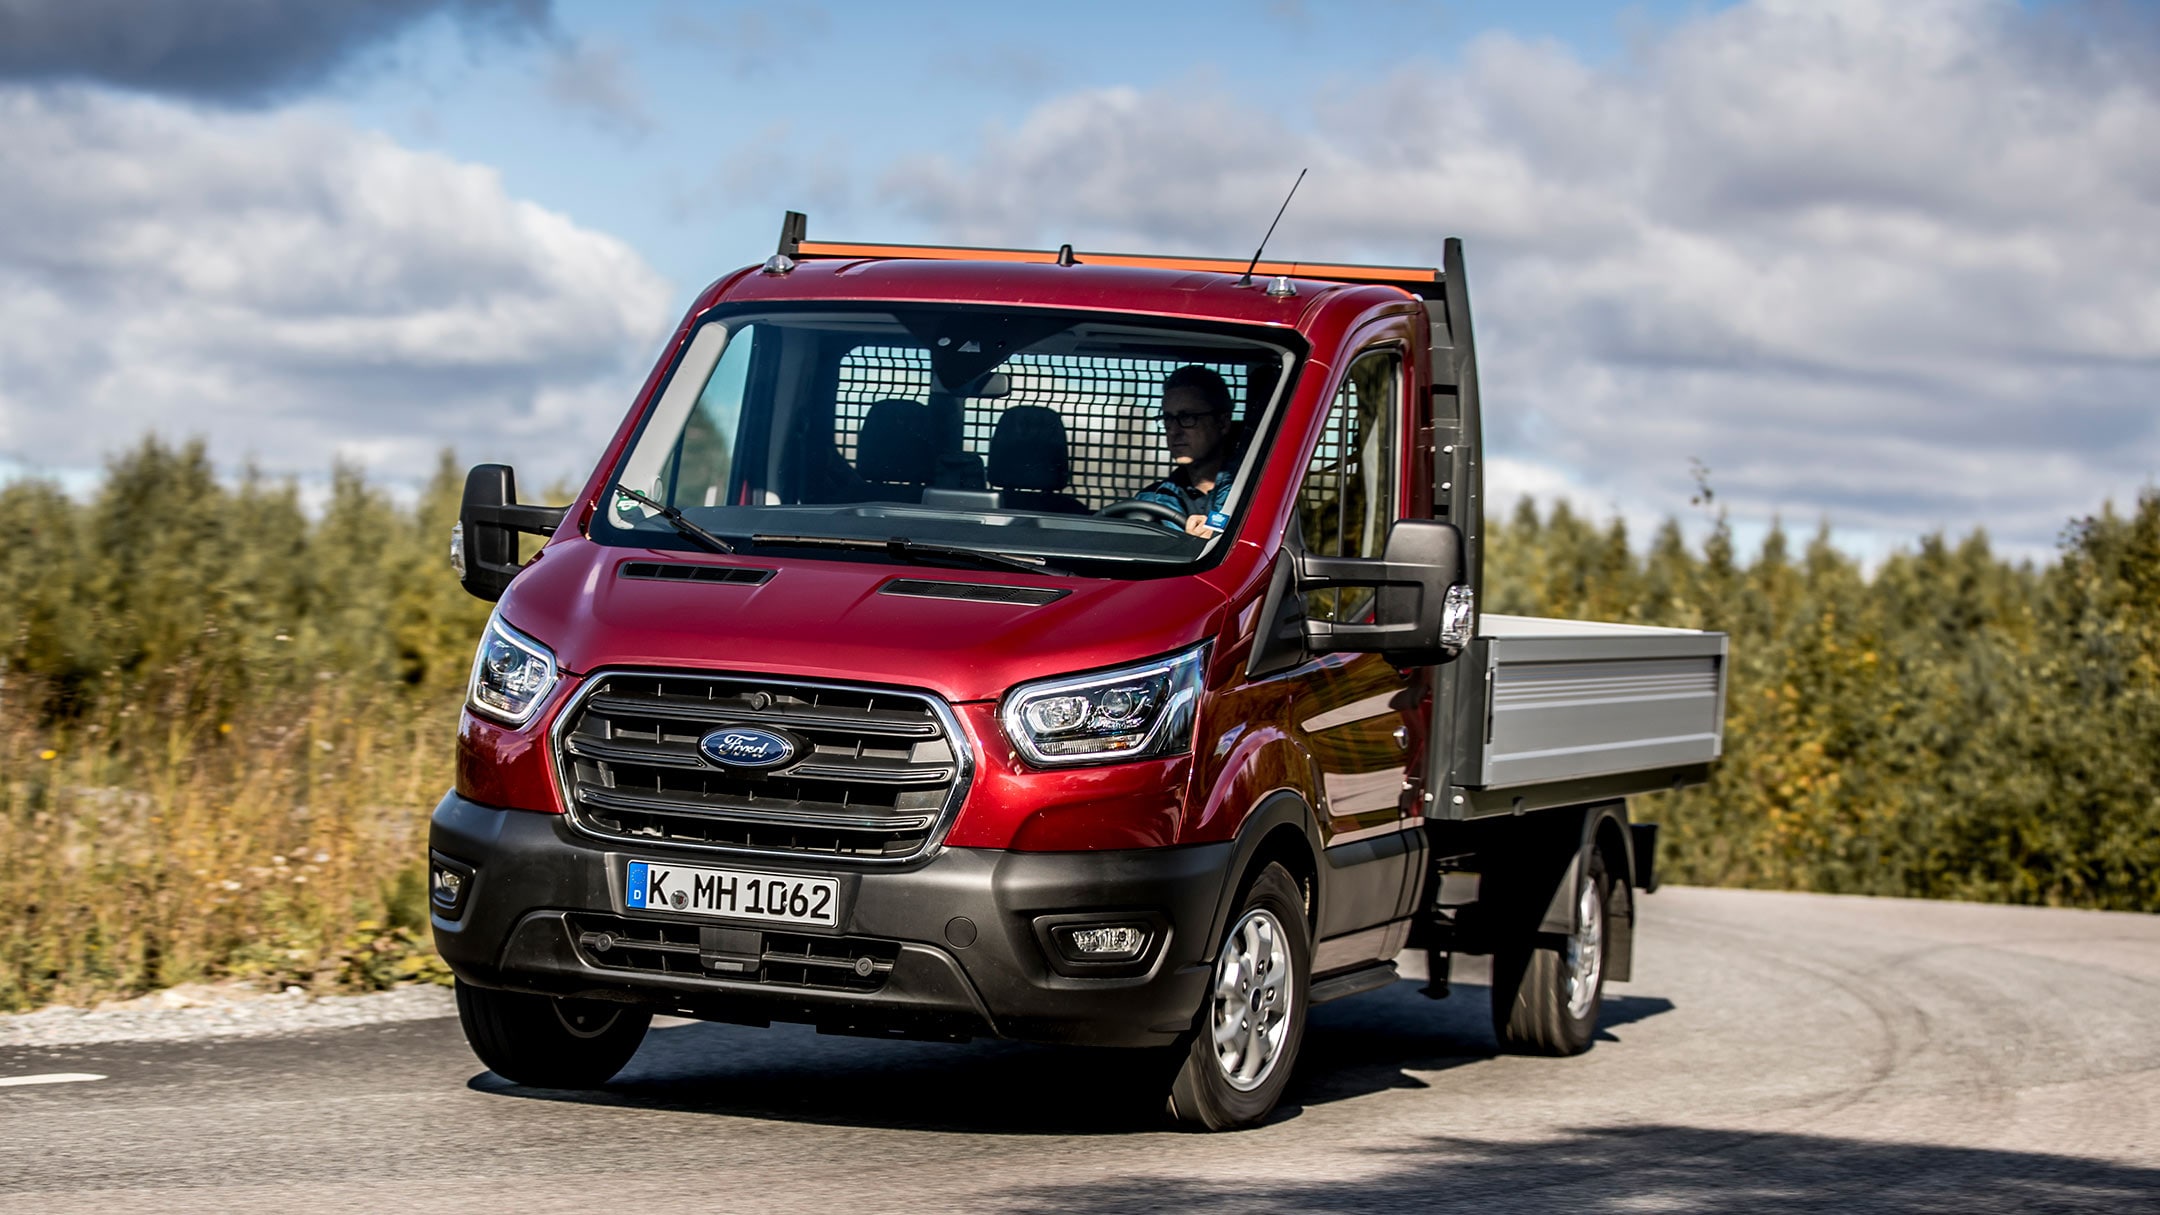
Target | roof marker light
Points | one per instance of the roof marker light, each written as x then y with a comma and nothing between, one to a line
779,263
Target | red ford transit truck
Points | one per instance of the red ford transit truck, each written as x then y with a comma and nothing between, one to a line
873,682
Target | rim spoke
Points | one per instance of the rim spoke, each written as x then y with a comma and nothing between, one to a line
1585,952
1227,976
1227,1031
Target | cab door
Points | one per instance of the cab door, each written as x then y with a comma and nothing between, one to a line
1361,720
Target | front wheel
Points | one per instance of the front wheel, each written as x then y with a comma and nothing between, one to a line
1545,995
1238,1058
549,1043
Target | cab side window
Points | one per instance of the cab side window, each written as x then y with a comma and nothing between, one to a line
698,471
1347,499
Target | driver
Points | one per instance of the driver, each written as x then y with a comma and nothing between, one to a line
1204,450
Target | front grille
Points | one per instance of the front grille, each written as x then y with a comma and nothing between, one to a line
875,775
786,960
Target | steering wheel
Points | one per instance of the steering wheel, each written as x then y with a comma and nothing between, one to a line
1141,508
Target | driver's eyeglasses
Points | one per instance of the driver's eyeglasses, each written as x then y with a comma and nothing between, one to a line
1185,421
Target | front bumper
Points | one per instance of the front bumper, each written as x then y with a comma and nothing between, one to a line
962,947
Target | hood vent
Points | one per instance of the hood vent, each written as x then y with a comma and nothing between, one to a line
974,592
656,571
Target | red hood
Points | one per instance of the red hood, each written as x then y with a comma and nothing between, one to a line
825,619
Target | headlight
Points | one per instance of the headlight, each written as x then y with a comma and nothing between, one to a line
1136,712
511,675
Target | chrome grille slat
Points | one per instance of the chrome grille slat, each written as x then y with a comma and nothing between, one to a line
876,771
796,815
664,757
682,709
880,774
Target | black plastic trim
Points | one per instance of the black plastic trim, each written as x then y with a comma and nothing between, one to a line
535,874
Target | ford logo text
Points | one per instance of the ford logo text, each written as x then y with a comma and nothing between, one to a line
746,747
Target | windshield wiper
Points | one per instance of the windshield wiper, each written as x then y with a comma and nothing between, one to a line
904,549
677,521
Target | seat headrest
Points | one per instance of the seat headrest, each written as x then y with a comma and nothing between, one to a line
1028,451
895,445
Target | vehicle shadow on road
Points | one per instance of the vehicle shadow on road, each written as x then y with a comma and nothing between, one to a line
1376,1041
1652,1168
791,1073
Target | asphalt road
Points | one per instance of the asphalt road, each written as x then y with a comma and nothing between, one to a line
1775,1053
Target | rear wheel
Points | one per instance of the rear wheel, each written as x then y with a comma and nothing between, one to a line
1546,994
549,1043
1238,1059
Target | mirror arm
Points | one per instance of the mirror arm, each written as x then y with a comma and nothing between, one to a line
1320,573
522,517
1324,635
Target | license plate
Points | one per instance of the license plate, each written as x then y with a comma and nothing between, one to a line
766,898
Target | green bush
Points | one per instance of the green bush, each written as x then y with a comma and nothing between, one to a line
1956,726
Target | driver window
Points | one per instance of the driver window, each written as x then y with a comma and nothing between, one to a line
1347,499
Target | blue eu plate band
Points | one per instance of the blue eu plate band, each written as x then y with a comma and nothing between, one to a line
634,882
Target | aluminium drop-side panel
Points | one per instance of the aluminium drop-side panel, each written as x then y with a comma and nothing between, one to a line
1576,703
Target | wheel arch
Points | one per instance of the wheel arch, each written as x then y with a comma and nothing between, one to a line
1280,829
1600,827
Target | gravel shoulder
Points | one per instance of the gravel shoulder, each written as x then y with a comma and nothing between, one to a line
199,1011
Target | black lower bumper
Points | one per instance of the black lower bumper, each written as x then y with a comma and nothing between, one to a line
954,946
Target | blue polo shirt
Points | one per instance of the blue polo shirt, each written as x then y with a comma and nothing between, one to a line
1186,500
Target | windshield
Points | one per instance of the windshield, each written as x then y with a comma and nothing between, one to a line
940,433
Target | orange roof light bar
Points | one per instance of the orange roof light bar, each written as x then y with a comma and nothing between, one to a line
1417,279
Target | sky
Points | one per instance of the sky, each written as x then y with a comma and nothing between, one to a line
1889,265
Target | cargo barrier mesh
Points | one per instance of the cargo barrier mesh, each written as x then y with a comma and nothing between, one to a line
1110,406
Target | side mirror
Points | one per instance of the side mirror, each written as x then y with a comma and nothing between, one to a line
484,543
1423,614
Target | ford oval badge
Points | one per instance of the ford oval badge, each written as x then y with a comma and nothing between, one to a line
746,747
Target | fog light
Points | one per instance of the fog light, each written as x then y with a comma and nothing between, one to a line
1101,942
448,883
1116,942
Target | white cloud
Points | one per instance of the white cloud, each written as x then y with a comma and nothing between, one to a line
1889,263
295,290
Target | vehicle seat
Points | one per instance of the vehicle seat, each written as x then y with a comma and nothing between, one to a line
894,451
958,470
1029,461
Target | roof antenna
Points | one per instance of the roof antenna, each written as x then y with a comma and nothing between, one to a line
1247,280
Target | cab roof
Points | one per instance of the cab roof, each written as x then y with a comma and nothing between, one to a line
1214,289
1196,295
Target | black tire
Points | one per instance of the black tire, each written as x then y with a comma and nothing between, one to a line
549,1043
1534,979
1205,1093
